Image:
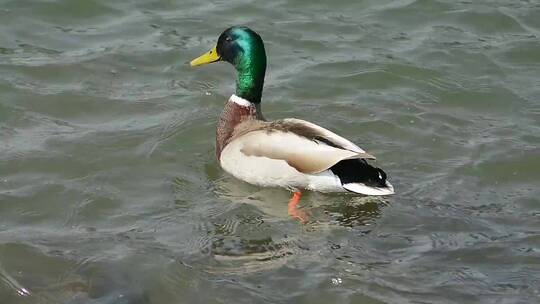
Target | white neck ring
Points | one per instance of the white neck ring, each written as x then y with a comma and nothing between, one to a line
240,101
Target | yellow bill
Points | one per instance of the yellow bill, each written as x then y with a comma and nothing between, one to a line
209,57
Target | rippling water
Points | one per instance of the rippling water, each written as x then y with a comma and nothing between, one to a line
110,193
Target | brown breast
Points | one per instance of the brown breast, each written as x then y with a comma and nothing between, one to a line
232,115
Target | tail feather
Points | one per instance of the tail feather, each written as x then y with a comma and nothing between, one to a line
363,189
358,176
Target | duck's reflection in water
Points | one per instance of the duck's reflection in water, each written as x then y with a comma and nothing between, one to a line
341,209
257,233
353,211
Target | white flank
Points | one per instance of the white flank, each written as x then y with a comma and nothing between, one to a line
305,155
261,171
240,101
266,172
363,189
325,181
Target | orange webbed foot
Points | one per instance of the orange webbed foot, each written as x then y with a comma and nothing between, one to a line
293,208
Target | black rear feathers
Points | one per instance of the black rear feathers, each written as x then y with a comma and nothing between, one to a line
359,171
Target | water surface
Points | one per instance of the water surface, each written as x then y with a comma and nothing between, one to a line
110,191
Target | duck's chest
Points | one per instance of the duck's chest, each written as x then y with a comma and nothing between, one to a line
236,111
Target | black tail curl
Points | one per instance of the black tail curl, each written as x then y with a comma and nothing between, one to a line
359,171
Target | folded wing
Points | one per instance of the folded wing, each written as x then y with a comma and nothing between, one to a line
305,146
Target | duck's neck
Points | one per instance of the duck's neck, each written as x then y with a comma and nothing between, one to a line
249,86
250,75
236,111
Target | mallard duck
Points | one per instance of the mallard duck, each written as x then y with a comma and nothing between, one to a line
290,153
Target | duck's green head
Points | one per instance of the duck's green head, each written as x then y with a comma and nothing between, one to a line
244,49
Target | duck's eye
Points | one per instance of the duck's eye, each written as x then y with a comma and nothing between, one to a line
228,39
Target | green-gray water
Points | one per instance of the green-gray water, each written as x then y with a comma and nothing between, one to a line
110,191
